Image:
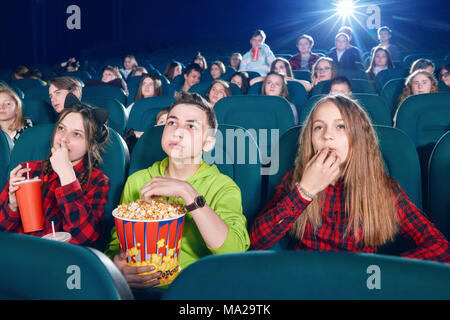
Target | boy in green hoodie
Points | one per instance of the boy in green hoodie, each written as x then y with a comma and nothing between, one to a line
215,222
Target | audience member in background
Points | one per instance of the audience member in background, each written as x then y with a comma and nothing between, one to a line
444,75
219,89
19,72
241,80
12,121
259,57
150,86
345,55
71,65
282,66
138,71
275,84
425,64
192,76
173,69
305,59
74,190
235,60
217,70
381,60
324,69
200,60
60,87
110,76
129,64
418,82
339,197
384,35
161,117
341,84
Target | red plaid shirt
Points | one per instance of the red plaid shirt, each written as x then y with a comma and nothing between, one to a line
71,208
296,61
286,206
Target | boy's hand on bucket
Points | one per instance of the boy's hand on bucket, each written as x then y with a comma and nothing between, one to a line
168,187
133,274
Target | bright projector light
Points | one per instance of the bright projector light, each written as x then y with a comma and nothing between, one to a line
345,8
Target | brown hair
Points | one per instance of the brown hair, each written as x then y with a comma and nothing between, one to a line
96,139
67,83
369,203
225,85
156,83
334,69
197,100
19,118
389,63
287,65
284,90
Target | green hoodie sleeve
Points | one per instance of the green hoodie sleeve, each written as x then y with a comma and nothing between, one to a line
228,205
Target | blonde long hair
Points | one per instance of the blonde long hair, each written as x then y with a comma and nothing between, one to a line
369,203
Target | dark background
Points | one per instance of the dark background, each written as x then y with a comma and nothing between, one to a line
35,32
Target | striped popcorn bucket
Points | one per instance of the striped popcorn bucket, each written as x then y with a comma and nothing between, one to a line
152,242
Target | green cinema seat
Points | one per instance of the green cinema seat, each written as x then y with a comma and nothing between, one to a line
33,268
143,113
438,179
6,145
105,91
117,112
39,111
391,93
310,275
374,105
385,75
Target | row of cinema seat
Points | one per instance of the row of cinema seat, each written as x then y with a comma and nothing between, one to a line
424,118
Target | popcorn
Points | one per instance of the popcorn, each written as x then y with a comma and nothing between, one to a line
157,209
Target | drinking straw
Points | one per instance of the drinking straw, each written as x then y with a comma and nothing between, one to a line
53,229
28,172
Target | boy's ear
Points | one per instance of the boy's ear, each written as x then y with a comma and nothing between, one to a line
209,143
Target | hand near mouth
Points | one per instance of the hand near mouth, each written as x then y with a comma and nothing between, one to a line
322,170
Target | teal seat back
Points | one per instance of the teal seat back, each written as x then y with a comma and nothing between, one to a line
235,154
38,269
425,117
384,76
39,111
438,179
353,74
80,74
442,87
297,94
25,84
252,74
34,144
202,88
268,117
358,86
305,275
398,151
105,91
374,105
117,113
391,93
40,93
144,106
5,151
302,75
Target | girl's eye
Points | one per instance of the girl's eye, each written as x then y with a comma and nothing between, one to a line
170,123
341,126
60,128
317,128
191,126
77,134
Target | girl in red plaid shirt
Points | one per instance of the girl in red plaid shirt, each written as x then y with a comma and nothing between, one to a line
339,197
74,191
